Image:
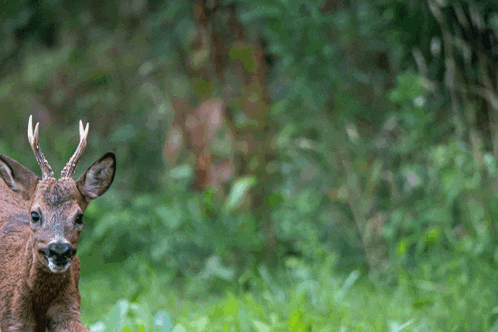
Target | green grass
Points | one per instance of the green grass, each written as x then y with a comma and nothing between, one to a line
297,298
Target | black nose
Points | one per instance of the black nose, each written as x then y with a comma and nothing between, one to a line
60,251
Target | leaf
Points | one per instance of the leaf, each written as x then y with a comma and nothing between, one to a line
203,87
432,235
401,248
296,322
200,324
238,192
274,200
215,267
181,172
348,283
199,58
171,216
244,319
174,142
260,326
409,86
116,318
423,303
162,322
395,327
245,54
179,328
97,327
141,315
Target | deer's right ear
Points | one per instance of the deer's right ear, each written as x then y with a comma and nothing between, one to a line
18,177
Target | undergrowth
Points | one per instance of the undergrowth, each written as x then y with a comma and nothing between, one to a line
458,295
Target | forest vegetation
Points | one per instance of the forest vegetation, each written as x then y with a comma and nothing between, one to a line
281,165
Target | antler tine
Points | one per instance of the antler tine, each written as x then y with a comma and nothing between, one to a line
68,170
33,138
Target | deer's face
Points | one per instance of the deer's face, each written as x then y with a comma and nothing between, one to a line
56,206
56,222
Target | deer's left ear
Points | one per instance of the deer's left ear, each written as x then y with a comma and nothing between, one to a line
98,177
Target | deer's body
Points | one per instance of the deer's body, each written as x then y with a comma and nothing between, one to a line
40,223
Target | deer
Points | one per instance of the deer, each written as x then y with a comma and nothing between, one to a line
40,223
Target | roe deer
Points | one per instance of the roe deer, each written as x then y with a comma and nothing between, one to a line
40,223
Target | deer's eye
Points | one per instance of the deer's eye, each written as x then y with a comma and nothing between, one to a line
79,219
35,217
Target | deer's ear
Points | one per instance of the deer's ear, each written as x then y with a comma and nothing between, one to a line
18,177
98,177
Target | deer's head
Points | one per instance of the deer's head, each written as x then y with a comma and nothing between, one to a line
56,206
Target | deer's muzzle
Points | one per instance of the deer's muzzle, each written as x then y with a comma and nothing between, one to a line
58,255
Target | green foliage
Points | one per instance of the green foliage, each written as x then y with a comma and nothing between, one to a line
125,316
372,158
170,231
238,191
304,297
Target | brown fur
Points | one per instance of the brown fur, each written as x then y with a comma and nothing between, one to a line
32,297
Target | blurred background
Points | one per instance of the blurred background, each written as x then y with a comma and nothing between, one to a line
282,165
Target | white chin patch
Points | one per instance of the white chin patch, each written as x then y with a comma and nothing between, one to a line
56,268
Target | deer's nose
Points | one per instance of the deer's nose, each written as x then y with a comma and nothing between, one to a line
60,251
